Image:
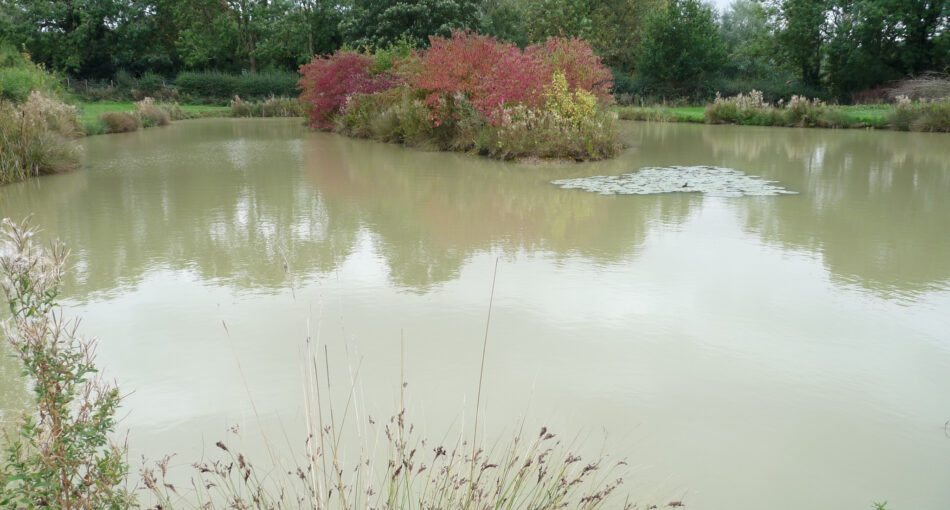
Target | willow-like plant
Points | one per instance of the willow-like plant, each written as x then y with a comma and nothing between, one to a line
61,455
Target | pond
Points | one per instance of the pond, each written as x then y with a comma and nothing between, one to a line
781,352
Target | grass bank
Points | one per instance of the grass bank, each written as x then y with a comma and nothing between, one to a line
752,110
122,116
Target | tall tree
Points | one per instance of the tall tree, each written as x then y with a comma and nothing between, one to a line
612,27
749,40
379,24
802,24
682,49
76,36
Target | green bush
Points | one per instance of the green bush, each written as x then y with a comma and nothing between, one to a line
94,127
150,83
208,84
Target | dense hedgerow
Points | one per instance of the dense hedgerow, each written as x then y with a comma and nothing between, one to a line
470,92
220,87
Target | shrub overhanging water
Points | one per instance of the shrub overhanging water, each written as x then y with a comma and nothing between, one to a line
470,92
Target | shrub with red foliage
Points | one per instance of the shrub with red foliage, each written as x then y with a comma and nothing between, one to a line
576,59
487,72
329,81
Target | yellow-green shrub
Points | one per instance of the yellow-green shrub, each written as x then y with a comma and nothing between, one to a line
576,106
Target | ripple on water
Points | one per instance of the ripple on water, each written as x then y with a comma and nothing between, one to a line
711,180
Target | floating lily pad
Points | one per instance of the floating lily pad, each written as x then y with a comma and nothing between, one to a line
711,180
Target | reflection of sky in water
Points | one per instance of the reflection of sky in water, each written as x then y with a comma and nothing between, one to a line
794,346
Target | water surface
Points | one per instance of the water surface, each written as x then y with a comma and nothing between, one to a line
777,352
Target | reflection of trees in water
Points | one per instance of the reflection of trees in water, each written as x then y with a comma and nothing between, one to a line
873,204
228,200
224,200
432,211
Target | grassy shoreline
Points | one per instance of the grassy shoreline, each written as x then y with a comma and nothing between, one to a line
90,111
839,117
106,117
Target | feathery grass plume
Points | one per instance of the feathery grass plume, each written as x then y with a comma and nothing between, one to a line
36,137
149,114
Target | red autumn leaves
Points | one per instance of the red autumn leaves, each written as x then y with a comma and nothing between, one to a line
488,73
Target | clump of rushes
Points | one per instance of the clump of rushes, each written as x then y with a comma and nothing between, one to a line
270,107
36,137
470,92
119,122
150,114
61,456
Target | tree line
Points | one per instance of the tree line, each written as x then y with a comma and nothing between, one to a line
668,48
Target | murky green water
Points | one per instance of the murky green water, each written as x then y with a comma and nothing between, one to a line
778,352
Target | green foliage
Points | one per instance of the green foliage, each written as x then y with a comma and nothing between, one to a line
379,24
613,27
682,49
219,87
749,41
19,76
62,456
388,56
800,37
